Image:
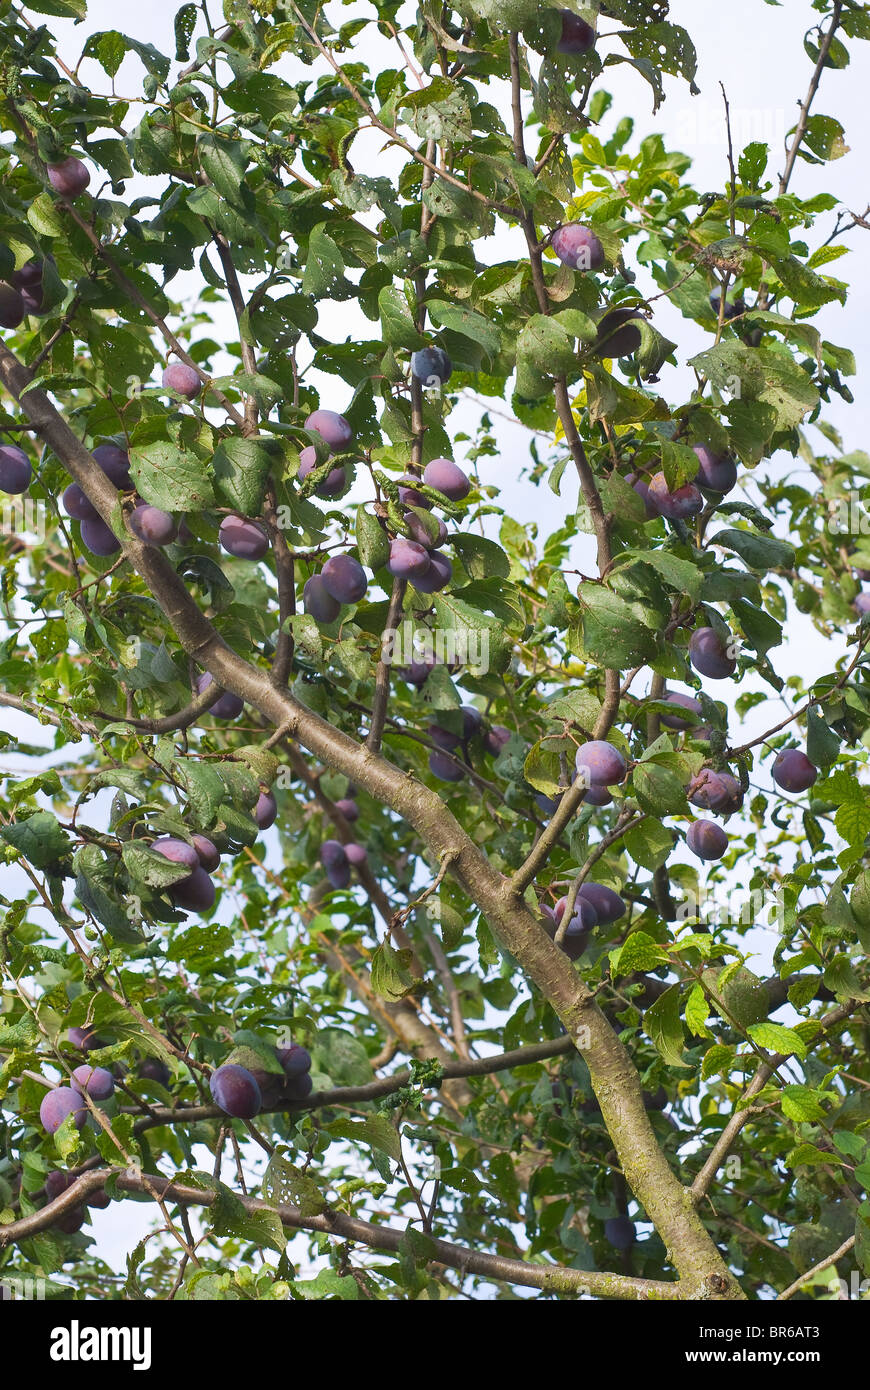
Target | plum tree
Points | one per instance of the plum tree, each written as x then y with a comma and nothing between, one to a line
332,428
709,654
679,505
96,1082
183,380
793,771
98,538
243,539
70,177
706,839
578,247
226,706
344,579
577,35
455,222
235,1091
57,1105
153,526
600,763
445,477
319,602
431,364
15,469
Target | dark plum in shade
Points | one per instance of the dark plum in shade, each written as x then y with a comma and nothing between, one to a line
195,893
444,767
709,656
85,1039
578,247
11,307
76,504
183,379
348,808
69,178
152,1069
618,334
608,904
445,477
577,35
322,607
619,1232
243,539
177,852
443,738
98,538
408,560
335,863
226,706
793,771
495,739
235,1091
344,579
153,526
115,463
335,481
97,1082
430,365
686,702
266,810
583,918
299,1087
57,1104
418,672
28,282
436,577
603,764
57,1183
207,853
15,469
679,505
641,487
332,428
597,796
68,1222
706,839
716,472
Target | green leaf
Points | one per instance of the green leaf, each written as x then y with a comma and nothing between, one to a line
649,843
664,1027
823,745
397,322
776,1038
638,952
697,1012
467,323
391,975
438,112
481,557
611,633
324,277
146,866
172,478
240,468
372,541
39,838
758,552
374,1131
659,790
45,217
224,162
799,1103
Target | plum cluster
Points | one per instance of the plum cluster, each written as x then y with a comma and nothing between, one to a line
242,1093
716,476
595,905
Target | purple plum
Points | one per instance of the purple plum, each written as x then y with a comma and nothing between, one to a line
226,706
442,766
320,604
243,539
153,526
97,1082
445,477
344,579
76,504
408,560
431,365
679,505
98,538
235,1091
332,428
706,839
618,334
265,812
11,307
183,379
436,577
69,178
578,247
716,472
15,469
687,702
577,35
793,771
115,463
602,764
57,1104
335,481
709,655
